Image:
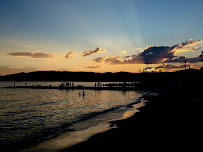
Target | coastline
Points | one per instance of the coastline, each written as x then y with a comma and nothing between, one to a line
102,109
69,139
168,122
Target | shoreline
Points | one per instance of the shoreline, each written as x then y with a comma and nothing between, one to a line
69,139
168,122
54,132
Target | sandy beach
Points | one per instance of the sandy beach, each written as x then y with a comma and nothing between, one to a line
168,122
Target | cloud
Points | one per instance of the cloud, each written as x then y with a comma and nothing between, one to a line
33,54
138,49
165,67
126,56
93,67
114,60
97,50
170,66
186,46
100,59
182,59
124,52
20,54
69,55
150,55
156,55
111,60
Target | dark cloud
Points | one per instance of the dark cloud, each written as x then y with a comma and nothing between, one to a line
114,60
20,54
170,66
150,55
165,67
97,50
187,46
111,60
126,56
100,59
69,55
156,55
135,59
182,59
33,54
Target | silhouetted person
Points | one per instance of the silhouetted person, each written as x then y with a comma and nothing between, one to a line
14,85
185,64
95,85
99,84
83,93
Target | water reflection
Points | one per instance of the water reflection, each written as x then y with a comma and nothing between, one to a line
68,139
31,112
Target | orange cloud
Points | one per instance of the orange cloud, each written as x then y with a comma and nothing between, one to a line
97,50
156,55
100,59
186,46
69,55
111,60
34,54
93,67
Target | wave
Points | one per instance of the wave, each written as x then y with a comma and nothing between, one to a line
48,133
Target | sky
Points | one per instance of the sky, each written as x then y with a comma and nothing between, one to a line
100,35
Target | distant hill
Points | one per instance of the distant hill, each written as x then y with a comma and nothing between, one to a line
77,76
69,76
94,77
153,81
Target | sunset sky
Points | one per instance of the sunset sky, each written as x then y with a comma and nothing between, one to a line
100,35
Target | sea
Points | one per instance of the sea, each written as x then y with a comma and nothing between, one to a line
30,116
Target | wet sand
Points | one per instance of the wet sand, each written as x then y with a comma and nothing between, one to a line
169,122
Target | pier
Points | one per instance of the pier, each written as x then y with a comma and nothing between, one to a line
126,88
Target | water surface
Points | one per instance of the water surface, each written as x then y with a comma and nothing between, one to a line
27,114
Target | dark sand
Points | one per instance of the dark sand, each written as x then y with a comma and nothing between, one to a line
168,122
